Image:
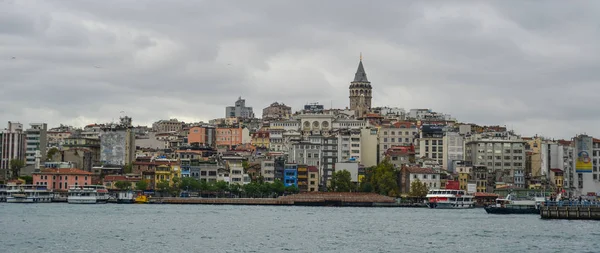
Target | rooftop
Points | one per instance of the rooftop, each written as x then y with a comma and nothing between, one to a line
64,171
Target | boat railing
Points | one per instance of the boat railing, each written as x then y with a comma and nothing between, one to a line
572,203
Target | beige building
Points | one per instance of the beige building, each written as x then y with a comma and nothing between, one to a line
498,151
277,111
397,134
368,146
313,179
171,125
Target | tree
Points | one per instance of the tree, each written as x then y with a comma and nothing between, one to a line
27,179
278,187
189,184
15,167
341,181
418,189
51,153
141,185
128,168
123,185
245,165
221,186
384,179
292,189
163,186
365,186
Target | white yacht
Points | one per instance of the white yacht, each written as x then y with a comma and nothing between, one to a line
88,194
449,199
28,193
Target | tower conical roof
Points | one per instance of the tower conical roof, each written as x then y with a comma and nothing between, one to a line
361,75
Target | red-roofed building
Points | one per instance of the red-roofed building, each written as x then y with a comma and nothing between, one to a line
60,179
401,155
408,175
110,180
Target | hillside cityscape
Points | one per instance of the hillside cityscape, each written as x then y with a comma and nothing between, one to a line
303,149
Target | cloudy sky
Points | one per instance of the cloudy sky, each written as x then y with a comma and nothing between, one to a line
529,66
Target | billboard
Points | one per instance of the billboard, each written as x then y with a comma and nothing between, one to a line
112,148
583,149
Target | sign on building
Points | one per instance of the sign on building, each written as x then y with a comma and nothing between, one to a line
583,146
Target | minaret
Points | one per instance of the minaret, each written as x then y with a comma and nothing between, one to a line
360,92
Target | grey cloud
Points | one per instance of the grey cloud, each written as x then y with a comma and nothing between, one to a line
526,64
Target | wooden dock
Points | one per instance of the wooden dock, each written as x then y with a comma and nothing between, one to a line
571,212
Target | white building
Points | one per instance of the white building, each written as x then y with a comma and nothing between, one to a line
430,177
351,167
267,171
453,149
586,163
36,140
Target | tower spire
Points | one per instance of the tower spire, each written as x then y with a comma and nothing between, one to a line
360,56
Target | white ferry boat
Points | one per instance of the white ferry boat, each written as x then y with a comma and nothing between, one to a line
28,193
449,199
88,194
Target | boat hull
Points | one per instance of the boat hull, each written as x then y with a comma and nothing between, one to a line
449,205
28,200
86,201
505,210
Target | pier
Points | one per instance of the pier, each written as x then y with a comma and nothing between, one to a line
572,210
303,199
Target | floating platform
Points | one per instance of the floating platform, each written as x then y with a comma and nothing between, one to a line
570,211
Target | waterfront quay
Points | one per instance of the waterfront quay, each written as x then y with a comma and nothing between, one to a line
304,199
571,210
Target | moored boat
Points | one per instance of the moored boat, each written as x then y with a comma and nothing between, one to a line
125,197
88,194
28,193
512,205
449,199
141,199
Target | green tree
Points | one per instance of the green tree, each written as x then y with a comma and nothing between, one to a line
163,186
292,189
384,179
245,165
141,185
50,153
341,181
365,186
221,186
418,189
123,185
27,179
128,168
278,187
15,167
235,189
189,184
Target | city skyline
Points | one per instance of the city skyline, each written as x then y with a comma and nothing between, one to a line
83,62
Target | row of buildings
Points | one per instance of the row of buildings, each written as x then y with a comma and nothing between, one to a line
314,139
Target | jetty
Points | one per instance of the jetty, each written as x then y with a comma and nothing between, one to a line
302,199
571,210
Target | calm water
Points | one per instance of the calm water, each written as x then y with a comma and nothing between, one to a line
202,228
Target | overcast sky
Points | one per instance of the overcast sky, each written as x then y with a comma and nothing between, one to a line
532,67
